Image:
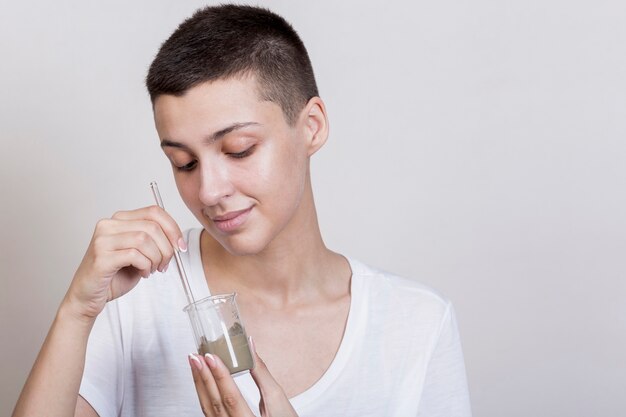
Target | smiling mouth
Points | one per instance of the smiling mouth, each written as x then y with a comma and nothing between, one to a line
232,220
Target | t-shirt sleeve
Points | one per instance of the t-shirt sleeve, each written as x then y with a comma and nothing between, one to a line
445,392
102,383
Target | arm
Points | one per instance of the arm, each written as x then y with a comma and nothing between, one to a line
130,245
55,378
84,409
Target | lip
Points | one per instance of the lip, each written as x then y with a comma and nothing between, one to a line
232,220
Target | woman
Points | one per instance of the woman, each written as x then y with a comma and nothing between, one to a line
238,115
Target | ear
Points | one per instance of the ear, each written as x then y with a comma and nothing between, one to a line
315,124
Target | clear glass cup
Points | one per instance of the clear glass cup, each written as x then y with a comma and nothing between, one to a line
218,330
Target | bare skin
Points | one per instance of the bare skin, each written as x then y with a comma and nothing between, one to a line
292,291
232,154
285,331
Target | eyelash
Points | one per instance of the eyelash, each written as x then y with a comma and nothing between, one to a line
189,167
236,155
239,155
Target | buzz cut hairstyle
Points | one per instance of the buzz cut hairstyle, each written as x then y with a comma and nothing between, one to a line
227,41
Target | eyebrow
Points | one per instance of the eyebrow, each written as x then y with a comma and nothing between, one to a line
215,136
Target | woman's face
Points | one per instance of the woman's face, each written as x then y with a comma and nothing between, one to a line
239,167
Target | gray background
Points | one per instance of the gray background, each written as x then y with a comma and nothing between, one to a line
476,146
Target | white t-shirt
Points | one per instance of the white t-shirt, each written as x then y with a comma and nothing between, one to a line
400,354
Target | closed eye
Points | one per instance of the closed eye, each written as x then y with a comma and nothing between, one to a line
243,154
189,167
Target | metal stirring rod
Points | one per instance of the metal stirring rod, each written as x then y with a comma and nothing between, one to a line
179,262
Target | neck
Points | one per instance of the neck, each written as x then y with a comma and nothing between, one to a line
295,267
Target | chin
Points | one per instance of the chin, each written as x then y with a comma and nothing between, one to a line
239,245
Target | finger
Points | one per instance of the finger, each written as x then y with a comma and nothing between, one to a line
131,258
150,240
127,281
274,401
111,253
261,375
145,244
165,221
150,228
231,398
107,245
205,387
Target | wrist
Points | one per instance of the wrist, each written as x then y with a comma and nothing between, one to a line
69,312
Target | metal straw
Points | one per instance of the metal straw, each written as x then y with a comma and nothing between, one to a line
179,262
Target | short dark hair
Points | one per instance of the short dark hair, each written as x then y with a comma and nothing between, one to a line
220,42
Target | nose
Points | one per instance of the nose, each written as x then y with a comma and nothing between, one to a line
215,184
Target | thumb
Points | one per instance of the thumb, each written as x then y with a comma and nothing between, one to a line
274,401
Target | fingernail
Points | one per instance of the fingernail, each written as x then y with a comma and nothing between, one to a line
251,343
167,265
182,245
211,360
194,361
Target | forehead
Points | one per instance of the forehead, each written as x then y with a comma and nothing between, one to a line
209,106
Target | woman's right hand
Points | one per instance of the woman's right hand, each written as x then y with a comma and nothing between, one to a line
128,246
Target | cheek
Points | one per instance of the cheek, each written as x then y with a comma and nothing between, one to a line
187,189
283,174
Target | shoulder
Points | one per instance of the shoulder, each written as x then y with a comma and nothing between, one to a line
404,295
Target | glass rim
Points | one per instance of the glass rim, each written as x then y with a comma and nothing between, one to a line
214,299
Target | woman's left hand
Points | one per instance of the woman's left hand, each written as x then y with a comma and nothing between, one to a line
220,397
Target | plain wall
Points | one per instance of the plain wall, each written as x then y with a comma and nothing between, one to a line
478,147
